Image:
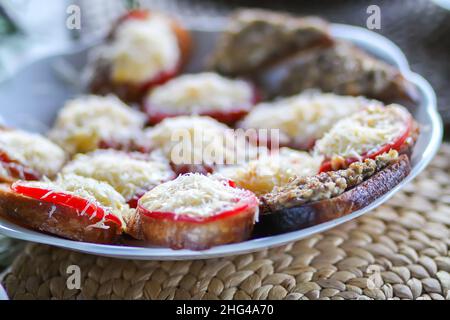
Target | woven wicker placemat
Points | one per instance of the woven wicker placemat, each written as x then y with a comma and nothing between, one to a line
399,251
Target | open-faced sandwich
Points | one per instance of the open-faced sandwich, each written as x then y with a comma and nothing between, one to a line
303,118
367,134
307,201
361,163
207,94
198,143
144,49
72,207
300,53
194,212
255,39
131,174
346,69
272,169
91,122
28,156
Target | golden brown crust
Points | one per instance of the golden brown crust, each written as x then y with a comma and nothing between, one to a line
6,179
309,214
191,235
54,219
345,69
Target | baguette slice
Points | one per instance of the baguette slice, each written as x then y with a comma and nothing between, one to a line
194,212
100,68
192,235
280,220
347,70
255,39
52,218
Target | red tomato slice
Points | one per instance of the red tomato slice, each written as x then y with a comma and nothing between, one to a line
396,144
67,200
133,202
160,79
185,218
251,203
18,170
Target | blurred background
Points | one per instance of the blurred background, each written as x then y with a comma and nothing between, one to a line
421,28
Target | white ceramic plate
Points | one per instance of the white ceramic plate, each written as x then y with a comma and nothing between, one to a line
3,295
31,98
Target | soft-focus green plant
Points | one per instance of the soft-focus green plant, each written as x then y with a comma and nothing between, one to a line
132,4
6,28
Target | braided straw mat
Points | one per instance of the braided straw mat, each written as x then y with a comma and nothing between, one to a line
399,251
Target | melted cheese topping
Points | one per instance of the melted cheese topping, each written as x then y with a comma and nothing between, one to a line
198,140
129,176
86,121
363,132
277,169
142,49
99,193
200,93
305,117
194,195
33,151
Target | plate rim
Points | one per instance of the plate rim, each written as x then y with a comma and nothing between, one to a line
343,31
3,294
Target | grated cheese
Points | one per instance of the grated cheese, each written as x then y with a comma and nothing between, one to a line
141,49
129,176
83,122
33,151
198,140
99,193
200,93
276,169
194,195
52,211
363,132
305,117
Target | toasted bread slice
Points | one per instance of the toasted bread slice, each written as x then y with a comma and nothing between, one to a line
53,218
194,212
345,69
101,81
192,235
275,219
255,39
28,156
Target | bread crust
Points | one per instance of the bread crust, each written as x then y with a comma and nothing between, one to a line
191,235
52,218
6,179
343,69
295,218
279,36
